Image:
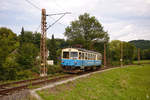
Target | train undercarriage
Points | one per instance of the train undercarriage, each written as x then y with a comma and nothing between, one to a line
70,69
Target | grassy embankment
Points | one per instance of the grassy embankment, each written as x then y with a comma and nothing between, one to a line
129,83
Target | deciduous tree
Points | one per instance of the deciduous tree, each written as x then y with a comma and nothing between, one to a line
86,31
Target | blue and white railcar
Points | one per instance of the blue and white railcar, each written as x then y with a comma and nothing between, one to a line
77,58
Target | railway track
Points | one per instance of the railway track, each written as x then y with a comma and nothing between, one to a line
9,88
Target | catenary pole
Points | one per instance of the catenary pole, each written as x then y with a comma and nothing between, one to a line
43,48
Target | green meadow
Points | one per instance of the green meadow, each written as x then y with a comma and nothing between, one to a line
127,83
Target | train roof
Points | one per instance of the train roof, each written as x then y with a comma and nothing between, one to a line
84,50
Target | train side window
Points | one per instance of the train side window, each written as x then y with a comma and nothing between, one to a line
86,56
92,57
66,55
80,55
73,55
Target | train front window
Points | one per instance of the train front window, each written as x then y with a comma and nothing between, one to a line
66,55
73,55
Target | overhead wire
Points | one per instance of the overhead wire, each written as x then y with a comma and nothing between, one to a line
55,21
61,9
59,6
36,8
33,5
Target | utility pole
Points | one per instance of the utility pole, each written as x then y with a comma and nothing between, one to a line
43,47
138,55
104,55
121,53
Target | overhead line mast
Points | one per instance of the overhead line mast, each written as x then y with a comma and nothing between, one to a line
43,47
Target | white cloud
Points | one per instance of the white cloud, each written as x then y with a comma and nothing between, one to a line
124,20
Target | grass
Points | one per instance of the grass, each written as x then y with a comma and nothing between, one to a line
142,62
129,83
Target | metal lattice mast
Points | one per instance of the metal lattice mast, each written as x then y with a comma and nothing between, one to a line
104,55
43,49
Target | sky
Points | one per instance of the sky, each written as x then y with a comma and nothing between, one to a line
124,20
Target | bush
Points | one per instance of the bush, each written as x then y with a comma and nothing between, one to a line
24,74
52,69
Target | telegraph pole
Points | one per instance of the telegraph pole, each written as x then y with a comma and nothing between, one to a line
43,48
138,55
104,55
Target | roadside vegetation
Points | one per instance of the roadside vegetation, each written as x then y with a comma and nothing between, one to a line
128,83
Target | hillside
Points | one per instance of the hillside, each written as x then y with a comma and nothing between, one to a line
143,44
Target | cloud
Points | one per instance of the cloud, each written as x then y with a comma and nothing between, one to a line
124,20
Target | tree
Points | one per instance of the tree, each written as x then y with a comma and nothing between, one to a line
26,37
115,51
37,39
26,56
8,44
10,67
52,50
86,31
22,37
146,54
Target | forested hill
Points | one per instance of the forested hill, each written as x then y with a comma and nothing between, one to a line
143,44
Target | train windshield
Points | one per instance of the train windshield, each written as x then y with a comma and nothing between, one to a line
73,55
66,55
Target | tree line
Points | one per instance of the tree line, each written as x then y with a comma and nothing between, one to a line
19,54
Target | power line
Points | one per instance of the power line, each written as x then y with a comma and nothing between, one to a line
55,21
59,6
63,14
58,14
33,5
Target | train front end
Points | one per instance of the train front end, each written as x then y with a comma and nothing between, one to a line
69,59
